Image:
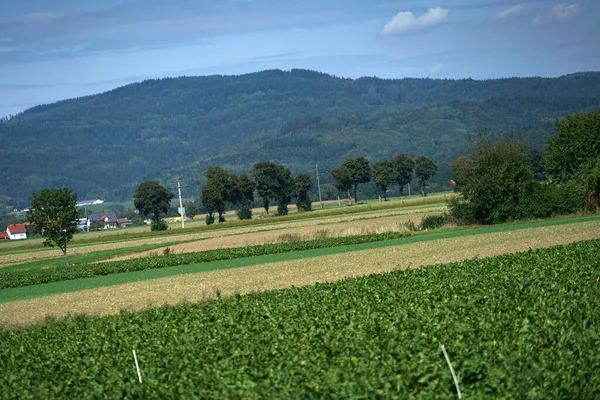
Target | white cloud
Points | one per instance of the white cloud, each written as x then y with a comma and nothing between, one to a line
559,13
512,12
406,21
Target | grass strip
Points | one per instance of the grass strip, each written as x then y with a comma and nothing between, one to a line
34,291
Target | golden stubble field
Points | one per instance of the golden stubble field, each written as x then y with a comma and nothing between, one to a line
372,222
201,286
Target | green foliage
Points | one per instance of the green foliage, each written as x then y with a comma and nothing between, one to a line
54,214
217,191
35,277
295,117
497,182
358,171
302,184
384,173
152,200
574,144
244,211
158,225
209,219
516,326
433,221
404,166
273,182
425,168
96,226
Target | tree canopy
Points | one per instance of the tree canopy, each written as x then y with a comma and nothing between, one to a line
425,168
404,166
573,153
302,185
152,200
273,183
54,214
384,175
359,171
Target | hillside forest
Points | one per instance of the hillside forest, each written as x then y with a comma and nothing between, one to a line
103,146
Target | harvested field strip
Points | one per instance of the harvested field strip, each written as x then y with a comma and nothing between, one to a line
361,209
274,273
207,258
43,254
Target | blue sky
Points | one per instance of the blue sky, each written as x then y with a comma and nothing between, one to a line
53,50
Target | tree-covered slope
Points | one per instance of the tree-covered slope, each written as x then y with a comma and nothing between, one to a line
104,145
438,131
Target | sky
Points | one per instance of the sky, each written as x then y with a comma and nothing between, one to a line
60,49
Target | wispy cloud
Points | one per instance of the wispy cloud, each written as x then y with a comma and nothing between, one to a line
513,12
559,13
407,21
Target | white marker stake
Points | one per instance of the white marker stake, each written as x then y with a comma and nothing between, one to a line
137,366
451,370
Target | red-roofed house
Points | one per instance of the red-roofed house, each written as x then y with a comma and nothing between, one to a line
4,236
16,231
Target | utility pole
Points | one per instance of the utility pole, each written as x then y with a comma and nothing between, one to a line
319,185
181,206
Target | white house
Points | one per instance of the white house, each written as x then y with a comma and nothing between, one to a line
16,231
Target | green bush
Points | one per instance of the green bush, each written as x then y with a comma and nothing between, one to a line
209,219
159,225
433,221
244,212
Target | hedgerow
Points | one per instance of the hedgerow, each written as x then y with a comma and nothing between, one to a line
517,326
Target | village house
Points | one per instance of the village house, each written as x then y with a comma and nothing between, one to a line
16,231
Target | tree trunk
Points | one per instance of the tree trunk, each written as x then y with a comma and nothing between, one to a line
408,189
356,193
339,200
64,251
349,198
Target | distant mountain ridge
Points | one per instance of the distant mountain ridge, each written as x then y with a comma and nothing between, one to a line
104,145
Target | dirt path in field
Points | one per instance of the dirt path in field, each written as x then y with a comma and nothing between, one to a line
307,271
243,236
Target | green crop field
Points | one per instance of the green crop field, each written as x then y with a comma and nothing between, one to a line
525,325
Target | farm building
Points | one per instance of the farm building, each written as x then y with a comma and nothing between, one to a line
16,231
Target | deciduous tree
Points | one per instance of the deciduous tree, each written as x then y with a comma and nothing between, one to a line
152,200
359,171
303,183
384,174
573,153
54,214
273,182
425,168
404,168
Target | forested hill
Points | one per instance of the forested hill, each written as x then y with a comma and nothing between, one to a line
104,145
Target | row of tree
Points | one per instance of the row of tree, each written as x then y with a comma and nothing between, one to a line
399,169
272,182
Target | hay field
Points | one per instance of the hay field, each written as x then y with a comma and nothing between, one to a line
376,221
306,271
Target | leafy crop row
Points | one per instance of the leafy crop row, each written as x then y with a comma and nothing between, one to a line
518,326
40,276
